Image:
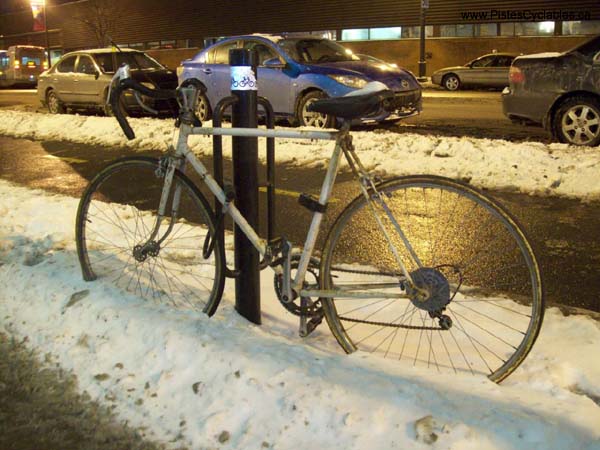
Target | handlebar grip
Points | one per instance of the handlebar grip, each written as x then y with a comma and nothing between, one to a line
115,97
128,83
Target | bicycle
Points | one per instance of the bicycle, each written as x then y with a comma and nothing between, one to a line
417,268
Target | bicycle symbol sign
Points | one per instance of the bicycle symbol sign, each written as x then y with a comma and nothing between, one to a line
243,79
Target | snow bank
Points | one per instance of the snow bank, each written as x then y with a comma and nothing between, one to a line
225,383
533,168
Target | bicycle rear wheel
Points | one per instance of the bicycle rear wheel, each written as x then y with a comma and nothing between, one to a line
115,220
485,304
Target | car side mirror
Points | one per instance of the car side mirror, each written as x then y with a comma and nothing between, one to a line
273,63
96,74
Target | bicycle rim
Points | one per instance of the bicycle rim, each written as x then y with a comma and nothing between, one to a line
115,220
476,262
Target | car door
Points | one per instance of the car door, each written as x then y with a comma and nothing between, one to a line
217,73
86,89
273,83
498,73
478,73
62,79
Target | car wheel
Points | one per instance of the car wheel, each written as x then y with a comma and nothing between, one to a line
577,122
307,118
203,108
451,82
55,106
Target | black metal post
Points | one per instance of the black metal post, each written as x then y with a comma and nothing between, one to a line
422,61
243,64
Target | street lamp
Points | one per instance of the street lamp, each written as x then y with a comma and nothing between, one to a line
37,7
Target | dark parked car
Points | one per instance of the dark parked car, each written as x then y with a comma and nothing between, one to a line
486,71
80,80
294,72
560,91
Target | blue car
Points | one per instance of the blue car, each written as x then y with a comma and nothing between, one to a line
293,72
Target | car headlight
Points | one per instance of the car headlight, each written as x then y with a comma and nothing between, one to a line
349,80
179,70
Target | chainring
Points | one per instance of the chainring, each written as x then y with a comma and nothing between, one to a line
314,307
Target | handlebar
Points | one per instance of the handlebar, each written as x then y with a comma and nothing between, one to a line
122,81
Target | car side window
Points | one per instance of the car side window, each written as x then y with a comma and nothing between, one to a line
503,61
222,52
105,62
85,65
67,65
263,50
484,62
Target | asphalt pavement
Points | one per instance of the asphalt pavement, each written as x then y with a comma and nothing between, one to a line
564,232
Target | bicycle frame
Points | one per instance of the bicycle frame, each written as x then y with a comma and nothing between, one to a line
342,146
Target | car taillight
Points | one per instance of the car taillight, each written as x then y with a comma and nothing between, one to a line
516,75
17,65
45,65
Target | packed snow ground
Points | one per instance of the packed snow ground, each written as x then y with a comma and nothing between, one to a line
225,383
528,167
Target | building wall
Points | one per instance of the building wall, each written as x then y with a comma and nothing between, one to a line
193,20
148,20
172,58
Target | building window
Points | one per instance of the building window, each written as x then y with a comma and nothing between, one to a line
486,29
356,34
581,27
387,33
527,29
415,32
137,46
459,30
325,34
507,29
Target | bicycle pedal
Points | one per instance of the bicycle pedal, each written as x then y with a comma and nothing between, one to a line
311,326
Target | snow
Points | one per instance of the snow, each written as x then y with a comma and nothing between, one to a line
527,167
190,380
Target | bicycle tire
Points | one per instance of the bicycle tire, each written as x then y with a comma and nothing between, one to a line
117,213
495,311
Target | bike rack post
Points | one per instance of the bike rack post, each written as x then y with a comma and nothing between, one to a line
243,64
270,118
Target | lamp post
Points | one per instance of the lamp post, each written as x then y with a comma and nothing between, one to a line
41,4
422,62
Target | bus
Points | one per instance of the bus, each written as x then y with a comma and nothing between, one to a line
22,65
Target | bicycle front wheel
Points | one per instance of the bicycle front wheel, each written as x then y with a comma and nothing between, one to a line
120,239
484,304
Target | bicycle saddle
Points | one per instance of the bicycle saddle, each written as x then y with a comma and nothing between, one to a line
356,104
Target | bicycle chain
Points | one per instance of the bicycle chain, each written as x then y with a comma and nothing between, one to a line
393,325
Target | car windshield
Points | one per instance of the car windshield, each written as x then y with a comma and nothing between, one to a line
135,60
315,51
588,48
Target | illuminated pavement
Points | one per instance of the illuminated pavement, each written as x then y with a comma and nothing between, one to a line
565,232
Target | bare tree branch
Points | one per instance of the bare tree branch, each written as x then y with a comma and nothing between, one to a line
100,17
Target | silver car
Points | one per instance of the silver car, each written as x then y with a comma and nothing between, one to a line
80,80
486,71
